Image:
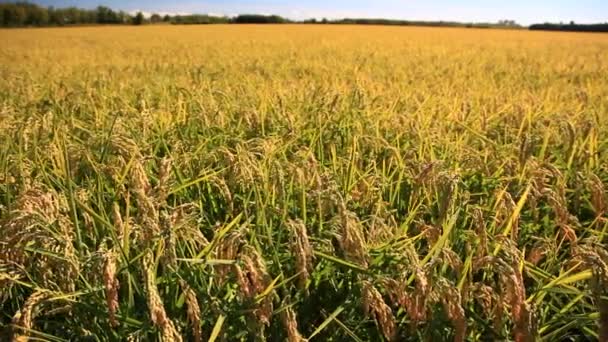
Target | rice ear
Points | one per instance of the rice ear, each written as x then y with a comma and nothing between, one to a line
111,285
375,307
452,304
302,250
290,323
193,311
23,320
158,315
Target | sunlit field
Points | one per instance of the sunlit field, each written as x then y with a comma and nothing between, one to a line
292,182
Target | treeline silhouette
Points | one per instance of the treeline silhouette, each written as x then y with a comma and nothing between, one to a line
28,14
198,19
573,27
259,19
19,14
380,21
240,19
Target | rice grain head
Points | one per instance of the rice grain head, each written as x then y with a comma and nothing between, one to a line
117,221
164,178
375,307
594,255
258,280
452,304
193,311
24,318
147,212
290,323
351,237
302,250
598,195
111,285
158,315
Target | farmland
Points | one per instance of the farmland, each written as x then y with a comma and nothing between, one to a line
303,182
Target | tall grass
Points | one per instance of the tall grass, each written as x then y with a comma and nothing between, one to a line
303,182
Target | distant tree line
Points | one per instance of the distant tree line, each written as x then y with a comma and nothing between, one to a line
27,14
197,19
571,27
380,21
19,14
240,19
259,19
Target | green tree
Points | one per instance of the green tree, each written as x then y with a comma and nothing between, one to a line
13,15
155,18
138,19
106,15
36,15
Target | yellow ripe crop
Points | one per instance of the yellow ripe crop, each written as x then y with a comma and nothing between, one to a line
293,182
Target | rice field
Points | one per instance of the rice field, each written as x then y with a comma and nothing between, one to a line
301,182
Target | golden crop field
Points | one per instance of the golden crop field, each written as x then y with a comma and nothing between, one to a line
292,182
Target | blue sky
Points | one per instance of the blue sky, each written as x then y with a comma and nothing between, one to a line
525,12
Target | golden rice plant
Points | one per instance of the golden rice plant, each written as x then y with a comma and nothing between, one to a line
303,182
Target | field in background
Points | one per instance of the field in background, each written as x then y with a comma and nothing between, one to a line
290,182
